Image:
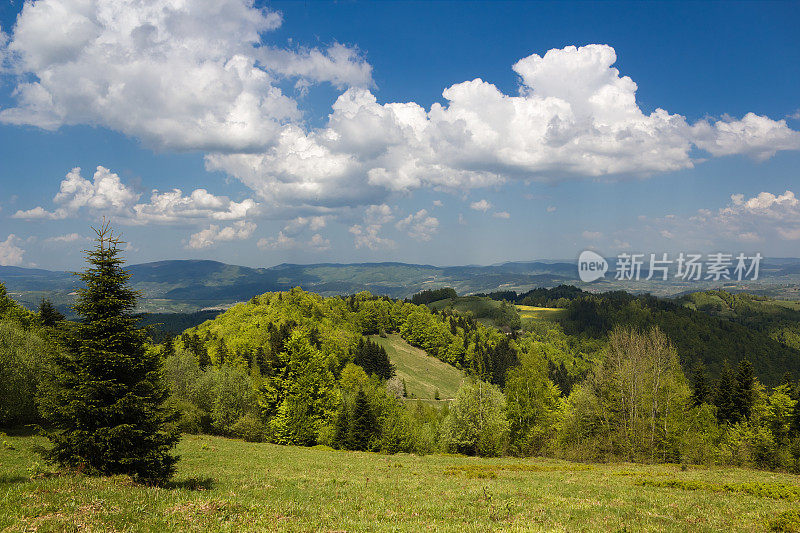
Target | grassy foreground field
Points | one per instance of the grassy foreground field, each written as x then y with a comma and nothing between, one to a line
231,485
424,375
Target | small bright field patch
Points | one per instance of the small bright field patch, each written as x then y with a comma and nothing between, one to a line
231,485
529,312
423,374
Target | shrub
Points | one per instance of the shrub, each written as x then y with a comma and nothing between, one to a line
250,428
476,424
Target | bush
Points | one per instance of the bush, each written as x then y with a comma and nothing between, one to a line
476,424
250,428
192,419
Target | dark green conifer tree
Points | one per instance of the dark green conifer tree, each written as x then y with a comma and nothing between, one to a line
48,314
341,436
362,426
744,395
723,396
105,401
701,392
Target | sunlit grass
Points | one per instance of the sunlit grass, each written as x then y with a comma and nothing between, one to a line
530,312
231,485
423,374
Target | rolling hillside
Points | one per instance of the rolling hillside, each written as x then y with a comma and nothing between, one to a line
192,285
423,374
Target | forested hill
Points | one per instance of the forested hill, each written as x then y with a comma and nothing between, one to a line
708,327
780,319
256,333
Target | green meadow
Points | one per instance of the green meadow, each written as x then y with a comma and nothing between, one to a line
231,485
423,374
529,312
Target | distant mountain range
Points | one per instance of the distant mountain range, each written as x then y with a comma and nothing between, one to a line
190,285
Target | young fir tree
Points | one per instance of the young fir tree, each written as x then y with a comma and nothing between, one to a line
106,399
48,314
362,425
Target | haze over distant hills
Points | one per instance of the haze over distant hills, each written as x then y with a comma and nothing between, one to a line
190,285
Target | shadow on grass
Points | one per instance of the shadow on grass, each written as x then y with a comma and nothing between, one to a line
22,431
10,480
192,483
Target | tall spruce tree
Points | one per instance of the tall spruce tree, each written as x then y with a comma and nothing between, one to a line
701,392
106,398
362,425
723,397
744,393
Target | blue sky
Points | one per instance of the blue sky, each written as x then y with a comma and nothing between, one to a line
443,133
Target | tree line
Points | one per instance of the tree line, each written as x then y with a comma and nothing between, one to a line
296,368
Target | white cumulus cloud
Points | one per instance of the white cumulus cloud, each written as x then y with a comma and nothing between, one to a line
481,205
10,253
67,238
367,235
173,207
575,116
213,234
763,218
420,226
105,192
178,75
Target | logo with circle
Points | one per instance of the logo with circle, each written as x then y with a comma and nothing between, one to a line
591,266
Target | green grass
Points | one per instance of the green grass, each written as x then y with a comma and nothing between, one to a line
529,312
229,485
423,374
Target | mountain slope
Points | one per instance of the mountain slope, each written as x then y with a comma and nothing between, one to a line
423,374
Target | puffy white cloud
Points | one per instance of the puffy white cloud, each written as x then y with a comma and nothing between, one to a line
213,234
591,235
68,238
367,235
173,207
282,241
551,209
764,218
178,75
419,225
437,203
575,116
10,253
502,214
298,224
338,64
318,242
300,171
105,193
481,205
199,76
757,136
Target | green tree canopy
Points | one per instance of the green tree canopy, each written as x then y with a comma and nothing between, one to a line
105,401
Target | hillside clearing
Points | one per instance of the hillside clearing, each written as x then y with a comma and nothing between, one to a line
423,374
529,312
231,485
